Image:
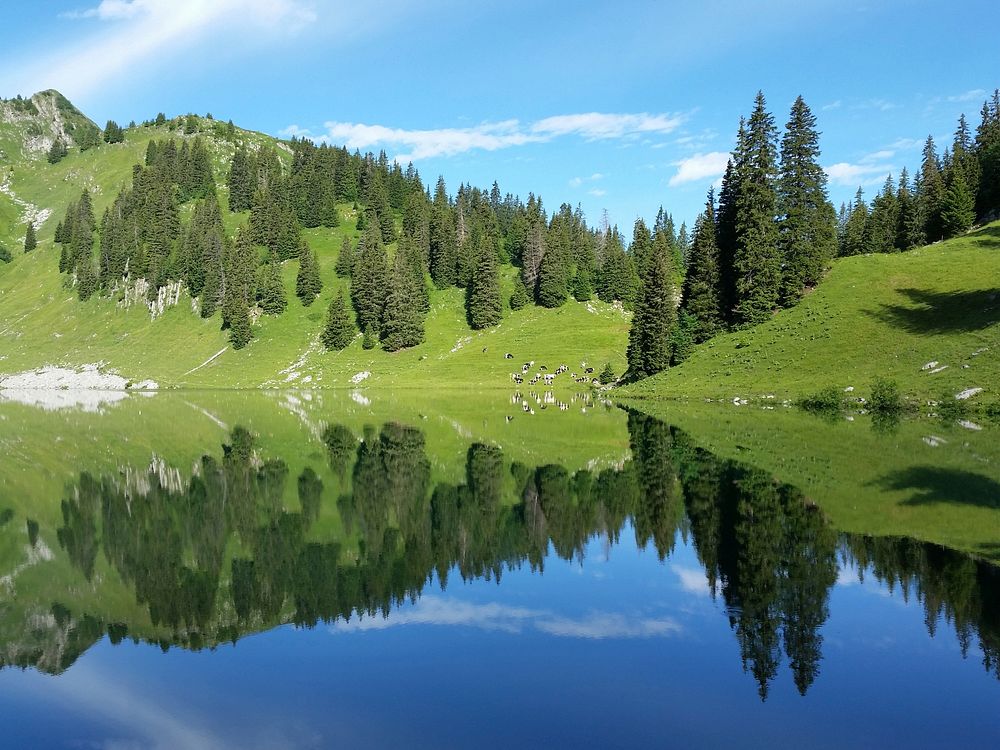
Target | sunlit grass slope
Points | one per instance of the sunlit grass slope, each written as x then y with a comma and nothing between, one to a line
876,315
42,322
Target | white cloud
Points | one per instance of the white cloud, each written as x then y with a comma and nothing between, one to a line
968,96
140,32
833,105
597,192
692,580
492,136
905,144
576,182
852,175
878,155
599,125
699,167
596,176
441,611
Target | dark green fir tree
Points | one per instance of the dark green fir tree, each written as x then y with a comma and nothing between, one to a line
30,241
339,330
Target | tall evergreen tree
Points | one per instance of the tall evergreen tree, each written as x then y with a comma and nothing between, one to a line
30,241
649,348
370,281
240,181
520,297
483,305
442,240
402,320
346,259
757,260
806,230
931,194
271,288
958,205
700,298
339,330
113,132
308,283
854,231
239,277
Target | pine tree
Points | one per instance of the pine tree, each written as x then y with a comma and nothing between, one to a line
909,226
532,255
113,132
57,151
552,288
308,283
442,240
370,281
30,241
520,297
239,275
958,206
346,259
807,229
931,193
700,298
402,319
339,329
757,261
854,231
725,231
370,338
482,298
655,315
241,182
271,288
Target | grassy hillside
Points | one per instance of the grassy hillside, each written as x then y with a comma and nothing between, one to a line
42,322
876,315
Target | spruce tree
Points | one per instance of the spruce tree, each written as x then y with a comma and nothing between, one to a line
271,288
931,194
854,231
520,297
346,259
370,281
807,228
113,132
482,298
552,288
239,276
402,319
370,338
57,151
339,329
30,241
757,260
655,315
308,283
443,241
241,182
958,206
700,298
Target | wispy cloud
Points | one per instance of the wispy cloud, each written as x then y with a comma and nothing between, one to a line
131,33
442,611
414,144
576,182
597,192
699,167
833,105
692,580
851,175
968,96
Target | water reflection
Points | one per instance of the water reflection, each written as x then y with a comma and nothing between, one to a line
224,550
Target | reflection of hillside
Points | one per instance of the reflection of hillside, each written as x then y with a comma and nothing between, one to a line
220,555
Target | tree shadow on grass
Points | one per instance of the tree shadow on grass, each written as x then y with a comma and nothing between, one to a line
943,312
935,485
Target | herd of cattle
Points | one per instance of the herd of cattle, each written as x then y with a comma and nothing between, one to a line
549,378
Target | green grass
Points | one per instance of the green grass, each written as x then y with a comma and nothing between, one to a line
872,316
42,322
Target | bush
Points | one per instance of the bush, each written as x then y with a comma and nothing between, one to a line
607,375
885,398
828,400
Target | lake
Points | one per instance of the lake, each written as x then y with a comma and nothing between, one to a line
279,569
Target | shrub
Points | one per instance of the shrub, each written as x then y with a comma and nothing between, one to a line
828,400
607,374
885,398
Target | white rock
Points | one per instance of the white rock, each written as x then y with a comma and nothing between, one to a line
849,389
969,425
936,370
359,376
968,393
930,365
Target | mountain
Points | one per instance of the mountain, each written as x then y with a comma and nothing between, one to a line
42,323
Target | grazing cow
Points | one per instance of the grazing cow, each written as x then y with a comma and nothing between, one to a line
543,367
525,367
595,381
510,418
508,355
589,370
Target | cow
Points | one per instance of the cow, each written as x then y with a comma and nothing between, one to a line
508,355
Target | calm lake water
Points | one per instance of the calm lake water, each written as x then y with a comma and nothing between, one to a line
298,570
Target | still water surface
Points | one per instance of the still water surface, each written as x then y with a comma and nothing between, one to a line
274,573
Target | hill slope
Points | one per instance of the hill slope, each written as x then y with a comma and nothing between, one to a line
875,315
42,322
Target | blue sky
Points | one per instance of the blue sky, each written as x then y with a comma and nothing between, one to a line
621,106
